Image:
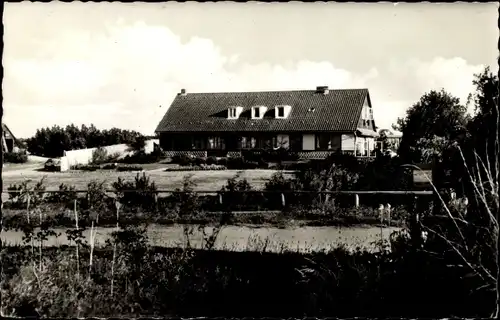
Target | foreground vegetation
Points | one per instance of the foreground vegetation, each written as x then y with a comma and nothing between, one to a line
129,278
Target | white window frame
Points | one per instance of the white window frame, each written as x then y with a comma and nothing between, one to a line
254,113
233,112
278,108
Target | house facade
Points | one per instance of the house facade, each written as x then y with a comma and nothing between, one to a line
313,123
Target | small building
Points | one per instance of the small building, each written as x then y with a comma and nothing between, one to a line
389,139
9,141
313,123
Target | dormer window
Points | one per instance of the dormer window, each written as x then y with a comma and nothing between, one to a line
234,112
282,111
258,112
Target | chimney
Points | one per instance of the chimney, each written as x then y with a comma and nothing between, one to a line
322,89
183,92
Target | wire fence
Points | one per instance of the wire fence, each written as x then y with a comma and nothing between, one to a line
274,198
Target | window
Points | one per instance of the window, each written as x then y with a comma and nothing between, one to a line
281,112
232,113
216,143
247,142
256,112
253,142
323,142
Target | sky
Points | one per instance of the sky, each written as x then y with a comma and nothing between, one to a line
121,64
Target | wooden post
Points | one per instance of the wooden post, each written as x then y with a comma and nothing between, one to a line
416,231
381,213
356,200
283,200
220,198
388,206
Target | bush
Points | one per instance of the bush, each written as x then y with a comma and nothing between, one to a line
129,168
99,156
234,199
197,168
15,157
182,159
235,163
240,163
141,157
198,161
66,195
141,193
211,160
110,166
222,162
86,167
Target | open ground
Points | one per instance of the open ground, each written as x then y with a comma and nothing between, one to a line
205,180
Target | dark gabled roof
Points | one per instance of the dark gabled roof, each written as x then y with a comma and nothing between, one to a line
337,111
6,132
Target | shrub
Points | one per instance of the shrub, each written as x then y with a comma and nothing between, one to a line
196,168
234,196
187,201
141,157
15,157
99,156
182,159
86,167
52,165
222,162
141,193
110,166
129,168
198,161
235,163
65,195
211,161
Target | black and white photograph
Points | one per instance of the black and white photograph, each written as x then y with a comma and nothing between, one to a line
250,160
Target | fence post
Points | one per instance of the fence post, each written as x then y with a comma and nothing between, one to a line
220,198
388,206
156,201
416,232
283,199
356,200
381,213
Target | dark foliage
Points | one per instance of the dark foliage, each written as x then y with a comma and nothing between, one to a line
153,281
15,157
52,142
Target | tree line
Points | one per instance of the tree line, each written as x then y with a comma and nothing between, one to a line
436,126
53,141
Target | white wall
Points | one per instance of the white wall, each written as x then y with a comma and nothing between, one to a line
84,156
308,142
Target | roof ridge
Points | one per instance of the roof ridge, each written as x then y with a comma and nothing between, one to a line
275,91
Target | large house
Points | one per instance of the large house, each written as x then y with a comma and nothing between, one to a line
313,123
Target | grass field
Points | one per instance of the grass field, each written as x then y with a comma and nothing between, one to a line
205,180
